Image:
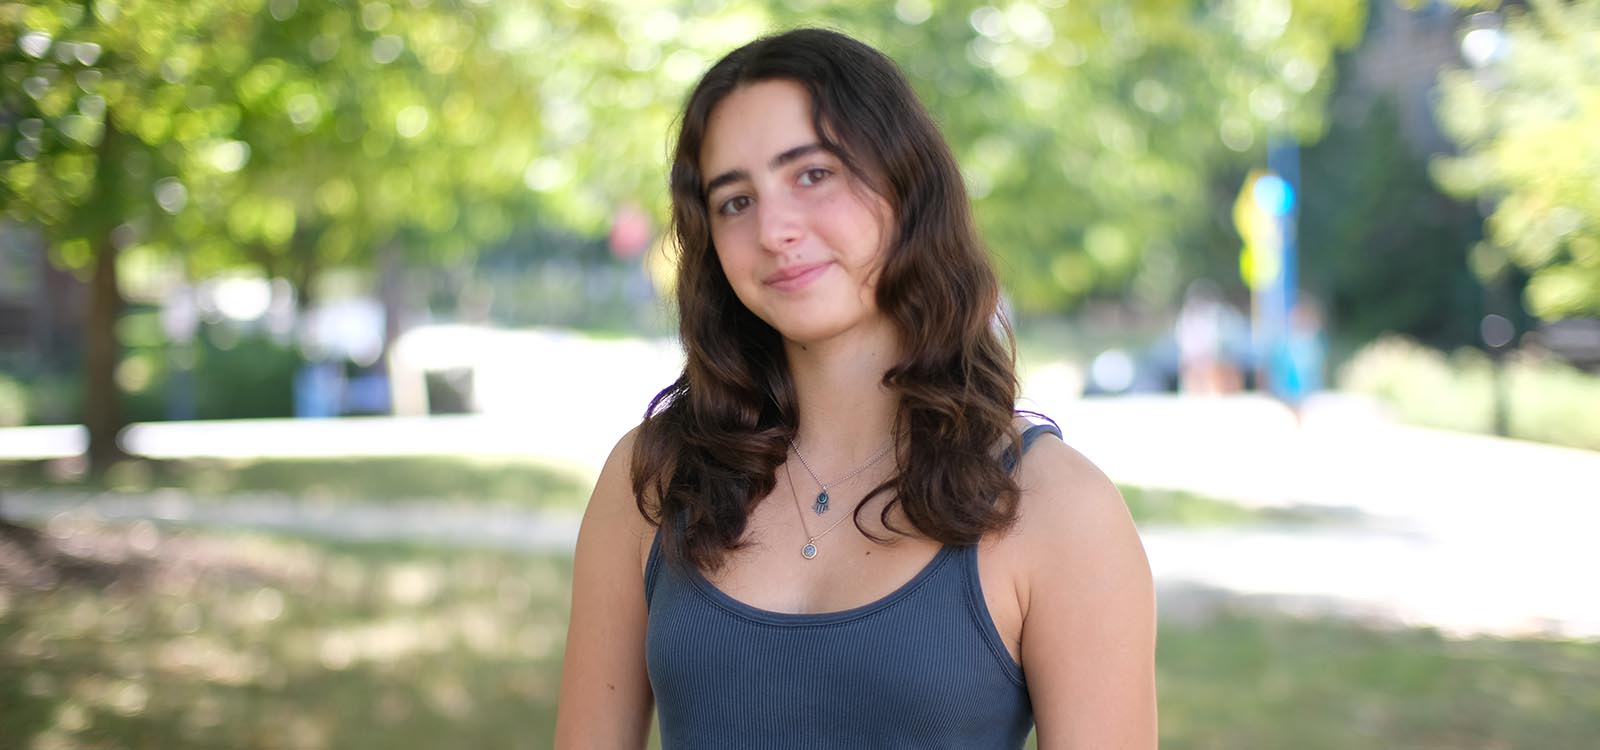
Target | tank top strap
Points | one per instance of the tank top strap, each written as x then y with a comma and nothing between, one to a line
972,582
652,567
1033,433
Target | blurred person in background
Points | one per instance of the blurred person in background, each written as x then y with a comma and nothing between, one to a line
1210,334
1299,357
833,530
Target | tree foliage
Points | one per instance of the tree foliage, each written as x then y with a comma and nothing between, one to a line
1379,243
306,133
1528,124
1091,133
290,135
1088,131
296,135
277,132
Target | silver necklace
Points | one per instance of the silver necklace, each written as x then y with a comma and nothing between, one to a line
821,505
810,550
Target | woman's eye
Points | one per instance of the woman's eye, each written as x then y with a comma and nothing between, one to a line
813,176
734,205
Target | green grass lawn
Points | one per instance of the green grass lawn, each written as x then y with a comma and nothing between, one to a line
1150,506
462,479
1254,681
161,639
472,481
245,641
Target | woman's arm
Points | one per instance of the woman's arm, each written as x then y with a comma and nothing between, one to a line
605,694
1089,626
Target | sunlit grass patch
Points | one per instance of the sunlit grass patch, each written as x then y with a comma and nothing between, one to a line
477,481
458,478
1179,508
212,640
1263,681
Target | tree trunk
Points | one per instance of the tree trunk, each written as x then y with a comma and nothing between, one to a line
302,271
391,293
102,351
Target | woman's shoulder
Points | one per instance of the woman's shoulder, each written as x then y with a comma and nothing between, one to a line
1087,603
1049,465
1070,511
620,460
613,510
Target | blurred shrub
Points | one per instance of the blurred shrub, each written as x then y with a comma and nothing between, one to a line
231,376
13,402
54,398
1424,386
243,378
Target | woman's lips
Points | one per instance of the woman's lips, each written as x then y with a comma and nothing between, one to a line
795,277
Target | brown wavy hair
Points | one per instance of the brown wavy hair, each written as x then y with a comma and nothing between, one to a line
710,443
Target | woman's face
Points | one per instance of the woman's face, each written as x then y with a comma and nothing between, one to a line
798,236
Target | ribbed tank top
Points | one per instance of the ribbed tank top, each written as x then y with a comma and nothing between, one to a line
922,667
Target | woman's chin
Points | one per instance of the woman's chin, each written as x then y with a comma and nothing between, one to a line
811,332
805,333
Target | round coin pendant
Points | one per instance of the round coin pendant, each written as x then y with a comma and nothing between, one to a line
809,551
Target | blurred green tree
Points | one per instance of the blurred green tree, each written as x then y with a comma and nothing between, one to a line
301,134
1091,133
1381,246
287,135
380,128
78,84
1527,120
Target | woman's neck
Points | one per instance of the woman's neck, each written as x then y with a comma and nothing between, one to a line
846,413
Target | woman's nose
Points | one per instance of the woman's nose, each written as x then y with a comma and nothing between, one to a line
781,227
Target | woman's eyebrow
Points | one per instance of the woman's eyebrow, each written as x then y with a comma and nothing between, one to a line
793,153
735,175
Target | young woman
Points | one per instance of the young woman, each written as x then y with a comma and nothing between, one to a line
833,531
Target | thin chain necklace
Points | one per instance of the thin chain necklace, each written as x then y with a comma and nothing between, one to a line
821,505
810,550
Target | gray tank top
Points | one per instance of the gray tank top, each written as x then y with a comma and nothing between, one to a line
920,668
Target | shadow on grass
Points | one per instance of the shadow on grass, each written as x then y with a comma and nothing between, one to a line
464,479
253,641
237,640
